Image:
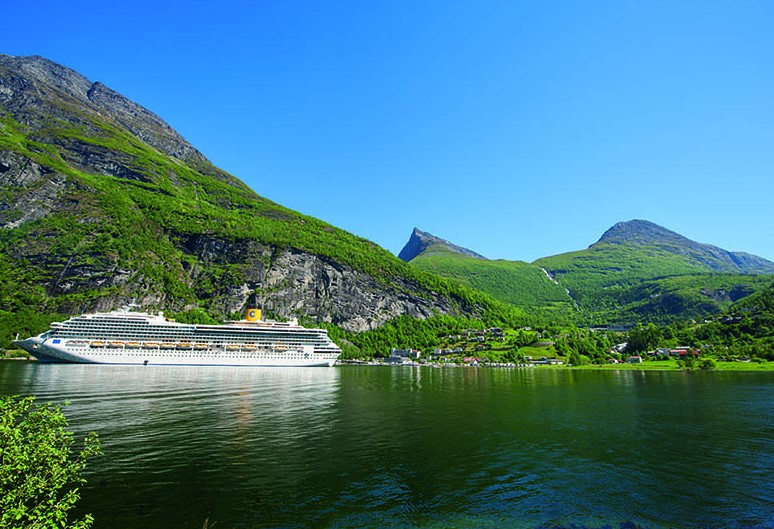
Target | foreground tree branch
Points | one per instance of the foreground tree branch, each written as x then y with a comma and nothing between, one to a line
40,470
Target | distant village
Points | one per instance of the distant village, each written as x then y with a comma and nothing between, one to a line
681,353
459,356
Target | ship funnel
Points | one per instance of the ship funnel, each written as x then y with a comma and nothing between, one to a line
253,314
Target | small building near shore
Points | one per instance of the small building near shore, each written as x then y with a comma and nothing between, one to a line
411,354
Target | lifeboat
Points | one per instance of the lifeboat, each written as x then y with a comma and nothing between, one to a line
167,346
97,343
133,345
115,344
200,346
153,345
233,347
249,347
184,345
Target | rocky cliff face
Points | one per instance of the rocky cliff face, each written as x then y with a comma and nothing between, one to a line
102,203
38,189
291,282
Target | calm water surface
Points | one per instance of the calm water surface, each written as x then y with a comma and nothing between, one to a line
372,447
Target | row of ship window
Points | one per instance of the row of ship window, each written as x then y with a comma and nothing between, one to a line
232,355
199,344
87,325
149,332
158,335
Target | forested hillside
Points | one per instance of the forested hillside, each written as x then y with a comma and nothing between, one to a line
103,204
636,272
515,282
625,283
641,272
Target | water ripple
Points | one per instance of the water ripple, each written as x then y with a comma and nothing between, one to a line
417,448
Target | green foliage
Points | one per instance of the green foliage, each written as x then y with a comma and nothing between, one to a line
627,283
760,302
745,333
514,282
195,316
40,470
689,297
577,359
406,332
583,346
707,364
643,339
598,276
26,322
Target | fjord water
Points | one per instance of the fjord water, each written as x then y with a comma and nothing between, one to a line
370,447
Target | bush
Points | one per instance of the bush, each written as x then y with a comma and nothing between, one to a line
707,364
39,471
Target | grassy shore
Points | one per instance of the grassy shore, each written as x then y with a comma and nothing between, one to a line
744,366
669,365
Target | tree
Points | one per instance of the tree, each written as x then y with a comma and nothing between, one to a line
707,364
643,338
39,470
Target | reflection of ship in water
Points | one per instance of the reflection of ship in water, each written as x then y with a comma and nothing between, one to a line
224,397
288,401
194,423
123,337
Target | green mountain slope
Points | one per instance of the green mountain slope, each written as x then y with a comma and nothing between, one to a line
688,297
759,302
745,332
514,282
598,276
639,271
102,204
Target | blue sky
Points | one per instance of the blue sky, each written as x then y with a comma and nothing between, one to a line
517,129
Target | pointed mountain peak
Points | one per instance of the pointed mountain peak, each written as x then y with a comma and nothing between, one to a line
641,232
421,241
34,88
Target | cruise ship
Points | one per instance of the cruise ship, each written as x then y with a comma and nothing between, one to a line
125,337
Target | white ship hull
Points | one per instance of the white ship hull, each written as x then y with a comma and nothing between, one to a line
46,352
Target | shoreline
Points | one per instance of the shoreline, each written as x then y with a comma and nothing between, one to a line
645,366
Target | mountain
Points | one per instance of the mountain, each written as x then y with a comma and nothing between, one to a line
514,282
644,233
103,204
639,271
421,241
762,302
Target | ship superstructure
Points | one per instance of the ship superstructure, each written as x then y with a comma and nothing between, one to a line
124,337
